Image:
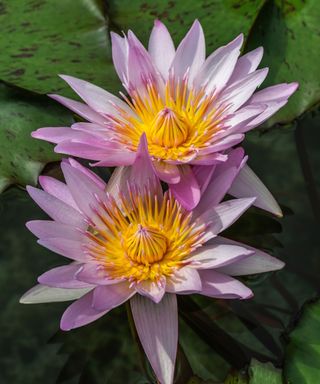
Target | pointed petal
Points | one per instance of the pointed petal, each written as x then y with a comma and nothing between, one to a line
277,92
161,48
217,69
53,134
217,255
258,262
43,294
246,64
169,173
248,184
80,109
203,174
80,313
217,285
56,209
184,281
151,290
107,297
44,229
92,273
120,55
91,175
157,327
223,215
190,54
69,248
187,191
63,277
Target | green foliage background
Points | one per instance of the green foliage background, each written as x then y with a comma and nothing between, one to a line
258,341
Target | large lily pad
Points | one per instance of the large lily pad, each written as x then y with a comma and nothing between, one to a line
22,157
40,39
303,352
221,20
289,31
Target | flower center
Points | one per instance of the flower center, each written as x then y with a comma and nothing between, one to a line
145,245
169,129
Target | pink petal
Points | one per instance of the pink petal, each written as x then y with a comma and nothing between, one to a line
218,67
116,158
221,181
80,313
203,175
53,134
223,215
69,248
209,159
277,92
187,191
120,55
55,208
157,327
169,173
184,281
190,54
107,297
161,48
224,143
218,255
258,262
80,109
57,189
43,294
221,286
62,277
151,290
94,273
246,65
270,109
46,229
97,98
91,175
248,184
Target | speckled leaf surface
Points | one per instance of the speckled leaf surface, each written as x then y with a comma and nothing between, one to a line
289,31
221,20
22,157
41,38
303,352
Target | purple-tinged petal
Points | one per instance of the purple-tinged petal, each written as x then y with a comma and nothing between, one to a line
277,92
209,159
224,143
55,208
54,134
169,173
151,290
221,181
91,175
223,215
65,247
94,273
258,262
97,98
116,158
203,174
190,54
83,190
238,93
63,277
107,297
80,109
157,327
217,255
80,313
161,48
246,64
57,189
184,281
218,67
47,229
248,184
120,55
221,286
187,191
270,109
43,294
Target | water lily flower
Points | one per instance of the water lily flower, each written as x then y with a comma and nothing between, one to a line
190,107
130,241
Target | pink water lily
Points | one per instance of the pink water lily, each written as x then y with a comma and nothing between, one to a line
130,241
190,107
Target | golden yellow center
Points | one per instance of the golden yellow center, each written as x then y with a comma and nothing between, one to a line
142,237
178,121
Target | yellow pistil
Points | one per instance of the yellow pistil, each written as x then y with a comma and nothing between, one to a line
142,237
177,123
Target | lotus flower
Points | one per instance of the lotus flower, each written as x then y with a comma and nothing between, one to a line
190,107
130,241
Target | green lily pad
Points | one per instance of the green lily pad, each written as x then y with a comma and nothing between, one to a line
21,157
289,31
41,39
222,20
303,351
